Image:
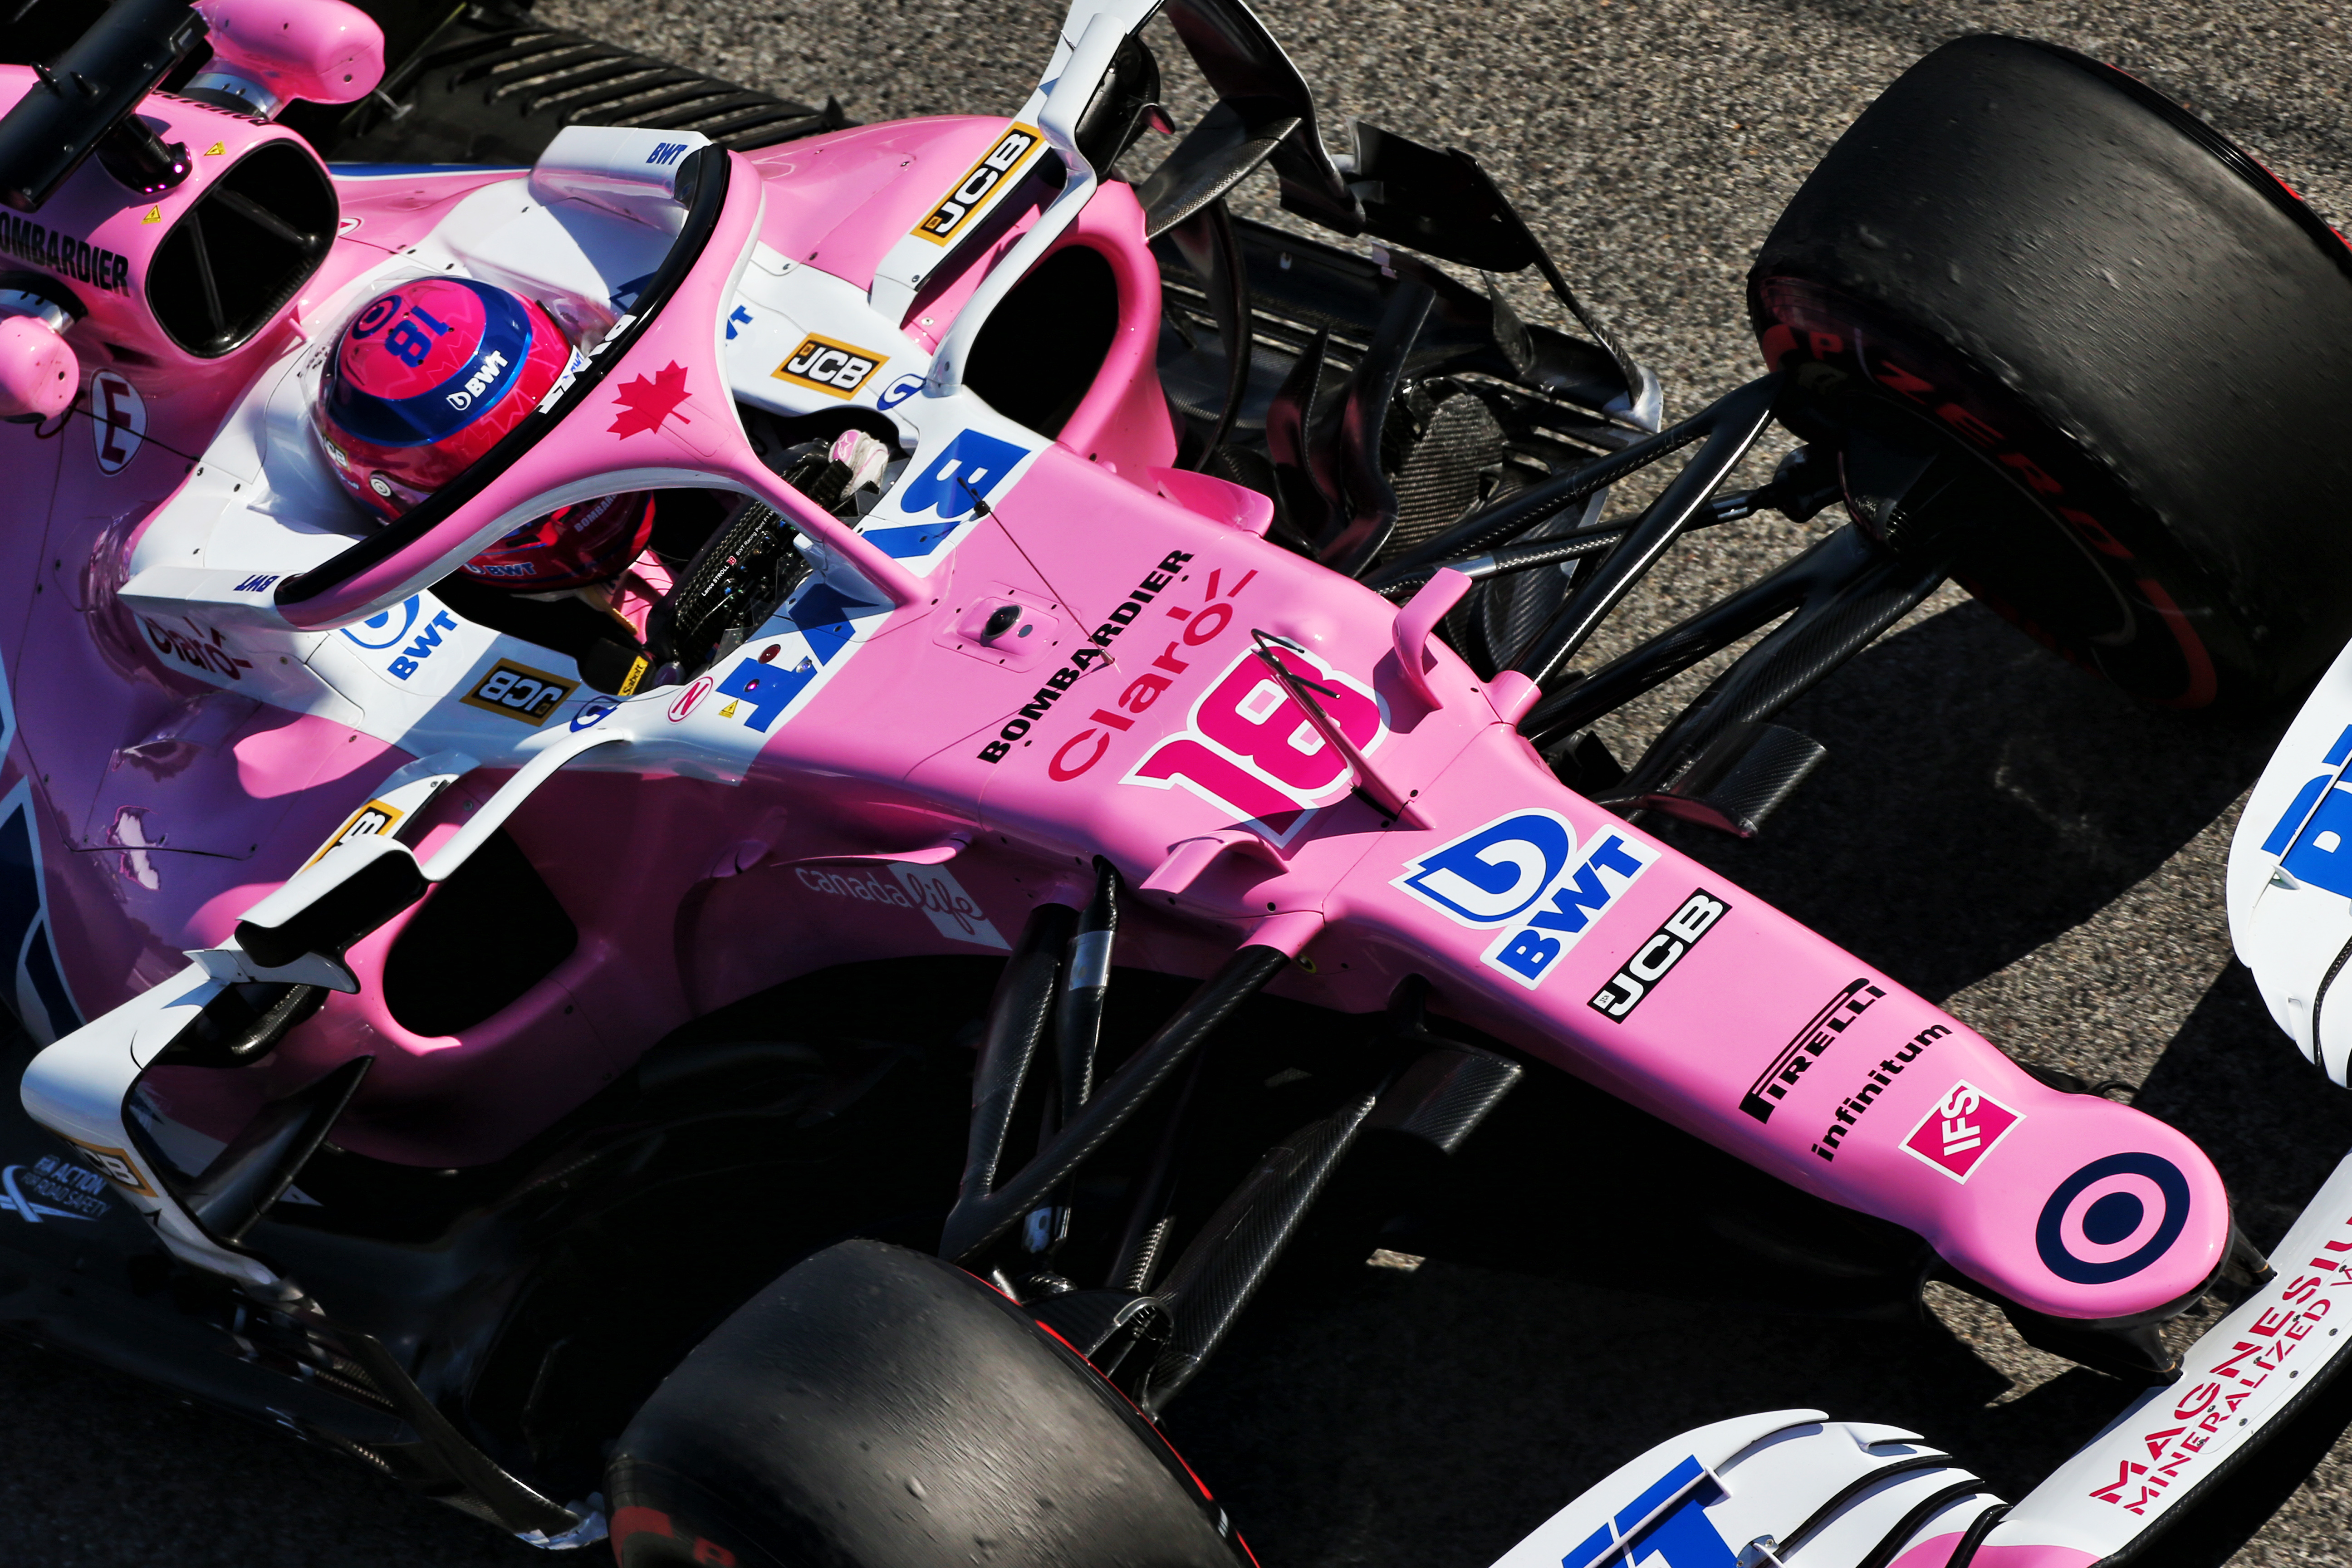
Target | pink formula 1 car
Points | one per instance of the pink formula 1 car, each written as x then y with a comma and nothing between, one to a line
798,1055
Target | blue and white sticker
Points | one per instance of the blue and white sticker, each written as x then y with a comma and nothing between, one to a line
2313,838
411,632
1665,1525
1526,873
782,664
32,979
942,491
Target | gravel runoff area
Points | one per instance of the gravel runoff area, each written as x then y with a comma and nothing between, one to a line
1991,827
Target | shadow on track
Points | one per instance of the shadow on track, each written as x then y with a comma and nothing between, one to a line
1979,797
1600,1282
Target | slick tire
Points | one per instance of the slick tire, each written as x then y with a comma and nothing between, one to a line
878,1409
2036,260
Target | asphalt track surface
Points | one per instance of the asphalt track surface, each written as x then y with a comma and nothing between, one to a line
1993,829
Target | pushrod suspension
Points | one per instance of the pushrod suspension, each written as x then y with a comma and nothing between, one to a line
984,1213
1730,428
1845,583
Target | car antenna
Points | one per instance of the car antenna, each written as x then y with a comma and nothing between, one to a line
978,500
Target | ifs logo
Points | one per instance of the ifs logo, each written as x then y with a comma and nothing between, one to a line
1960,1130
2311,835
1524,873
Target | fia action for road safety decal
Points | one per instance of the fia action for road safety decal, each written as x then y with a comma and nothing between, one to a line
49,1189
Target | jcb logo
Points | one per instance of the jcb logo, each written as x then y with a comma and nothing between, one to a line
368,821
518,692
1654,958
372,820
994,172
836,369
115,1166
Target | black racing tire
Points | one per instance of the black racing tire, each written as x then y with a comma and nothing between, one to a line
878,1409
2142,332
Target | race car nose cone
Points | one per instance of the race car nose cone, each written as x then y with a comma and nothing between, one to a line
2112,1218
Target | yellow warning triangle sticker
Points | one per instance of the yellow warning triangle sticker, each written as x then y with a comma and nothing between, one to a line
154,215
727,712
216,150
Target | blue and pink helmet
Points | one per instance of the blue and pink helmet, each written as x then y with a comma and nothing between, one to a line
427,378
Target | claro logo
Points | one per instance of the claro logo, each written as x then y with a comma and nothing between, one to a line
1245,745
200,650
1085,749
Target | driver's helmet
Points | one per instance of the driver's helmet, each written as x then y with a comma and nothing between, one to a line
425,379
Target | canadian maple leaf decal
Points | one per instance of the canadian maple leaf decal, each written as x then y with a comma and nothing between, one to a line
644,403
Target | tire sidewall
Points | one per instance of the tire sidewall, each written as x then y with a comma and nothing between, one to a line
2179,647
875,1407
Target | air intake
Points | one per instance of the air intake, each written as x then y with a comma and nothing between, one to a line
243,249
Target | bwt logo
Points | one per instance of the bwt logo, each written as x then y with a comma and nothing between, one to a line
486,373
663,156
1523,872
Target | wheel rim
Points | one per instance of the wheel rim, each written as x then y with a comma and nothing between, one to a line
2079,575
